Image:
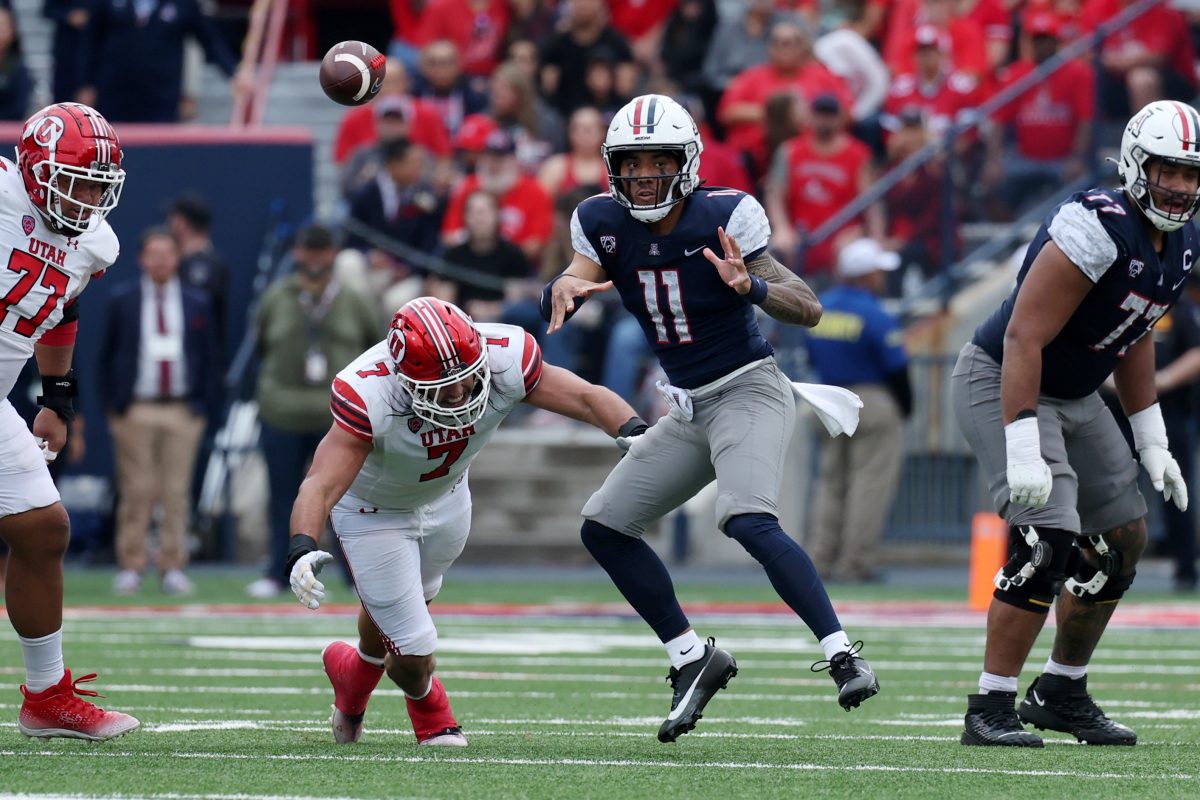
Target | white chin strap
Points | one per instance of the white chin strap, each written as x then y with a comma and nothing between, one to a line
651,214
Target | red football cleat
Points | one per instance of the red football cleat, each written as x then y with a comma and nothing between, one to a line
57,711
353,681
432,719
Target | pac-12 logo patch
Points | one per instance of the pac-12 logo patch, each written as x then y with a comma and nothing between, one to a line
609,243
414,424
27,224
1135,267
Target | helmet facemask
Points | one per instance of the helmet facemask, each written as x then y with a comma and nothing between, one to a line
1167,209
679,184
425,395
62,182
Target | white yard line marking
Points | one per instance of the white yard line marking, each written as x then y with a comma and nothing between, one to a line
437,759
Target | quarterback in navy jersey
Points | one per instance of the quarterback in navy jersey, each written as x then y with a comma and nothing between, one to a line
1104,267
654,237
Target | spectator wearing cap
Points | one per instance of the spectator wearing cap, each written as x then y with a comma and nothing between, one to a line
159,377
1150,58
402,208
526,211
535,127
913,205
471,140
860,346
307,326
189,218
585,34
1040,139
791,68
406,116
943,93
444,87
962,39
812,177
477,28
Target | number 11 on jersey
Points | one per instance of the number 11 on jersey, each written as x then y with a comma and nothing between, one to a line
670,279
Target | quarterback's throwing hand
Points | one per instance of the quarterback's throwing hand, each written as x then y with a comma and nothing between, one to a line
732,268
308,590
566,290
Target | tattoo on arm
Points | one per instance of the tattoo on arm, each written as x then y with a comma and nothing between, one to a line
789,298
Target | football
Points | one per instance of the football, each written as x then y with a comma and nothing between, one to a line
352,72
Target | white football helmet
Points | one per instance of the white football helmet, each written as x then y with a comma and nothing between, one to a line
1167,130
653,122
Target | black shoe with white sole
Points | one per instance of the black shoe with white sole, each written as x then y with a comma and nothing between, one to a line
1058,703
694,685
991,721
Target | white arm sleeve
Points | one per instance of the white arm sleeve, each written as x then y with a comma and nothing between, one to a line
852,57
1081,236
579,241
749,226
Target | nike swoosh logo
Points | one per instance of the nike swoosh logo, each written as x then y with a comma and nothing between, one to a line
685,652
693,251
683,702
1177,285
1037,699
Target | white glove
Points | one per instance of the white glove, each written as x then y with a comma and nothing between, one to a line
49,454
1029,478
1150,439
308,590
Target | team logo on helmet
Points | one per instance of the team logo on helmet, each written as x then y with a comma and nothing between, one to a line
27,224
45,131
396,345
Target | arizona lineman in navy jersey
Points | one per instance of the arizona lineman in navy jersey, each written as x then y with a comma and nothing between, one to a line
1105,265
654,238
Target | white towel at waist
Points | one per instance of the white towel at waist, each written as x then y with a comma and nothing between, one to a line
837,408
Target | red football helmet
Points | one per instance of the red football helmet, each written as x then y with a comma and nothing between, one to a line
434,345
70,160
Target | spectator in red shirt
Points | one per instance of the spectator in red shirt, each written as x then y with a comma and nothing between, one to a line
812,177
425,127
943,94
790,68
963,39
477,28
1049,125
641,22
526,211
582,165
1149,59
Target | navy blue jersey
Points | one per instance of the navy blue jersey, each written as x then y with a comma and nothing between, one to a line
700,328
1104,234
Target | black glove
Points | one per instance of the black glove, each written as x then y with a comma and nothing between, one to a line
636,426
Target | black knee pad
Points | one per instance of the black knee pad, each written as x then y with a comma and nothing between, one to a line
1034,573
1112,562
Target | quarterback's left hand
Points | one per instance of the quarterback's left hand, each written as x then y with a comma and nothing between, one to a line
732,268
1165,475
632,429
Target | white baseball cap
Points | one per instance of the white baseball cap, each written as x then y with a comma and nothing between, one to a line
864,256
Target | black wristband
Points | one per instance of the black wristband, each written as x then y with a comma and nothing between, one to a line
758,290
58,395
1025,414
301,544
635,426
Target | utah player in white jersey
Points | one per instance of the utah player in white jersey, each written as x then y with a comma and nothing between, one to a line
53,239
410,415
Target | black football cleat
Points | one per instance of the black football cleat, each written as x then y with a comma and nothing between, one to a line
854,677
992,721
1058,703
694,685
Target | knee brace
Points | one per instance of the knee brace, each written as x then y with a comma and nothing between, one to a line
1103,584
1038,561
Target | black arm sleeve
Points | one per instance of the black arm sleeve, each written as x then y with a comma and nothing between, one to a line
900,386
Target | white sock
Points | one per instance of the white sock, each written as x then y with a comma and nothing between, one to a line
834,643
43,661
1055,668
372,660
684,649
989,683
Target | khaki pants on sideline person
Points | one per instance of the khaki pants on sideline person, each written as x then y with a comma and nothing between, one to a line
155,446
856,483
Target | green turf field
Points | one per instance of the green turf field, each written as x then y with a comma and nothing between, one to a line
566,705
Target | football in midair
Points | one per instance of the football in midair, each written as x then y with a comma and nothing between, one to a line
352,72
